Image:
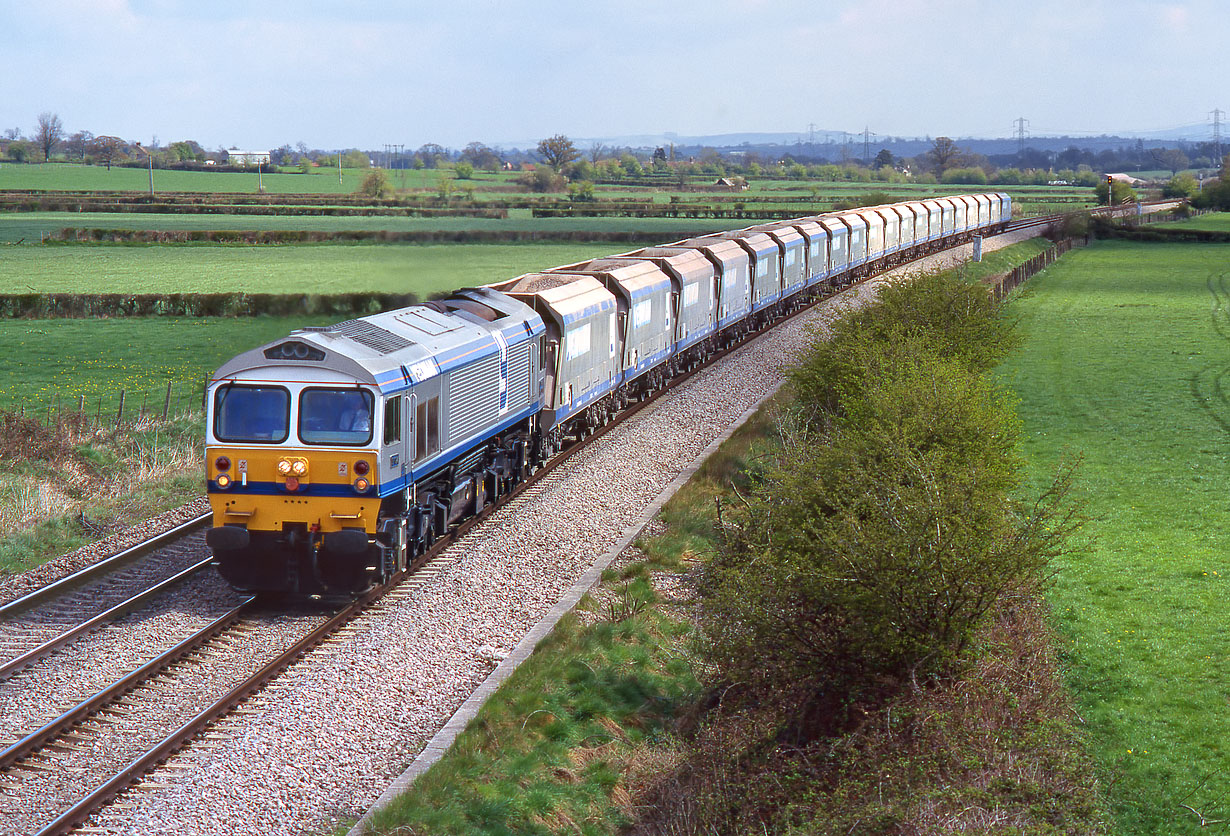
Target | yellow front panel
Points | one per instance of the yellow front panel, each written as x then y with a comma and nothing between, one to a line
262,502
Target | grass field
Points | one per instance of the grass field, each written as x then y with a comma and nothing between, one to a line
1217,222
68,358
72,177
1125,361
29,227
315,268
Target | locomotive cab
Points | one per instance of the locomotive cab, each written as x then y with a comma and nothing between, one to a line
292,471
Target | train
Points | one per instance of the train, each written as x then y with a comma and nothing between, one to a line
337,455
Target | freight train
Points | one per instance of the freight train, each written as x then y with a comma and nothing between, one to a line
338,454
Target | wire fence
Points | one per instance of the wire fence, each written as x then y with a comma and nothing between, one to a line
173,400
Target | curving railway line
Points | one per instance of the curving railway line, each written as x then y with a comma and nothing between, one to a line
64,751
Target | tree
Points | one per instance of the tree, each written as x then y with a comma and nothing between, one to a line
108,149
1181,185
1171,159
557,151
884,158
20,150
481,157
431,154
77,144
50,132
356,159
185,150
944,154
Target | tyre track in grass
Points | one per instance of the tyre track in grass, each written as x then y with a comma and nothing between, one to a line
1207,383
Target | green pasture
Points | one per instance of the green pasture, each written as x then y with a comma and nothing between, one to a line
1214,222
1125,363
316,268
29,227
49,361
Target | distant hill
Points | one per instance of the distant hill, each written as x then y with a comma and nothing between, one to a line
835,145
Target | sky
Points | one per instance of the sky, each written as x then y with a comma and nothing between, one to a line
363,74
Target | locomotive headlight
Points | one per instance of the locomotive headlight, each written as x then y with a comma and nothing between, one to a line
223,481
299,468
361,485
284,467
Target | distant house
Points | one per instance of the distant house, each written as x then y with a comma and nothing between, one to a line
234,157
733,185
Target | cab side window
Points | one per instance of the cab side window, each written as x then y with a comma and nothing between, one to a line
392,420
428,428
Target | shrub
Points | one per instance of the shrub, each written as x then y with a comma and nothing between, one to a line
463,170
870,553
542,179
973,176
375,184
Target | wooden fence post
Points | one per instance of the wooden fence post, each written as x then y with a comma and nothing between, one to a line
166,404
119,415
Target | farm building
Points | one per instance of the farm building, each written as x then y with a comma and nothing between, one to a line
234,157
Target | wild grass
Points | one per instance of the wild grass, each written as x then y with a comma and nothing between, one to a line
560,747
1125,362
69,484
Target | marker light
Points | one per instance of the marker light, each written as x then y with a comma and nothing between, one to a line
292,484
223,481
222,463
361,467
361,485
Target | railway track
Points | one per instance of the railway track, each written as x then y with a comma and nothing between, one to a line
50,618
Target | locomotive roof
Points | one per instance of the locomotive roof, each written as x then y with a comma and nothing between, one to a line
394,349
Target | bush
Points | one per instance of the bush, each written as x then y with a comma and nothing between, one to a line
972,176
1123,193
375,184
1182,185
542,179
870,553
1215,196
463,170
